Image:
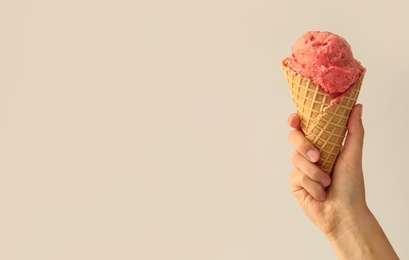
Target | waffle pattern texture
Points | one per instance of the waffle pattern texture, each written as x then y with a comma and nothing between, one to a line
323,122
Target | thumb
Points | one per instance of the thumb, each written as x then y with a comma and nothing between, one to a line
354,141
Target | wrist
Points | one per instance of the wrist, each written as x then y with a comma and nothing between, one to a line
349,224
347,238
361,237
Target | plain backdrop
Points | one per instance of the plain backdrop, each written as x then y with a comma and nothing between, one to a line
158,129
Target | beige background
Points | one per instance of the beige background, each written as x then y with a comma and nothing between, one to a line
157,129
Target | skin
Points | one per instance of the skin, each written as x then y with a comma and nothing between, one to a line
336,204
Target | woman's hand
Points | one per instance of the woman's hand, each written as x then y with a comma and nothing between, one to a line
345,197
337,204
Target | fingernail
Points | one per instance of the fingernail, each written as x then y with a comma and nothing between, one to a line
326,181
313,155
323,196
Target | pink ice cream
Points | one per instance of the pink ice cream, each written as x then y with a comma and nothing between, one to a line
327,60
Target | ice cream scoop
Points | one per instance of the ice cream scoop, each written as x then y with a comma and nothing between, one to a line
325,81
326,59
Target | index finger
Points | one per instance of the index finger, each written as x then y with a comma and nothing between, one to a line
294,121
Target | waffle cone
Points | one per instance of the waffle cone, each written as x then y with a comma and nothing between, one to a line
323,120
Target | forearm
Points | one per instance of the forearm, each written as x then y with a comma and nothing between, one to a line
362,239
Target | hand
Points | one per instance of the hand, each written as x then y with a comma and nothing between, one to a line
338,206
345,197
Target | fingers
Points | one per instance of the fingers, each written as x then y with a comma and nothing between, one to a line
303,146
307,177
354,141
300,182
310,169
294,121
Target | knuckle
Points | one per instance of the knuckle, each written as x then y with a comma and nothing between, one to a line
293,157
291,136
303,179
293,177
